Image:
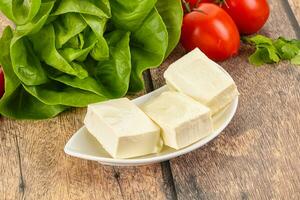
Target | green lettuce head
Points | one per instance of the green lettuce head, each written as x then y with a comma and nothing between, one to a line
70,53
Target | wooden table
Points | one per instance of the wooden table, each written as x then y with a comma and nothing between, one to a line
256,157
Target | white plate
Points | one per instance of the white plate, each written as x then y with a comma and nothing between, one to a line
84,145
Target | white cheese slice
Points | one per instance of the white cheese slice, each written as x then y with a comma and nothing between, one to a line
123,129
201,78
182,119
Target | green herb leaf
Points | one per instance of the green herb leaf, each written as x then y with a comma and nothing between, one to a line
272,51
273,54
260,39
289,51
296,60
257,58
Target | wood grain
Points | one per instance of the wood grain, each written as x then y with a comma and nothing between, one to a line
9,164
257,156
11,181
50,174
295,5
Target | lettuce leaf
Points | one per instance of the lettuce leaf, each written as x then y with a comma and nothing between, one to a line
114,73
129,15
70,53
20,12
16,102
148,48
172,17
90,7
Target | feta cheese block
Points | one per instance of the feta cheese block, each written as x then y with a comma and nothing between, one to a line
182,119
202,79
123,129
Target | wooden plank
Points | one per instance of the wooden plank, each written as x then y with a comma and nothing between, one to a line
257,156
49,174
34,149
9,164
11,186
295,5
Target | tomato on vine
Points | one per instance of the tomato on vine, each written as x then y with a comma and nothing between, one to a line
188,5
248,15
212,30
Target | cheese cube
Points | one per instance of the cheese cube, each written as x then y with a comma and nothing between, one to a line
123,129
202,79
182,119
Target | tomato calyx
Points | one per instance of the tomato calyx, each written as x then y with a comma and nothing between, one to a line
187,6
221,2
190,6
194,8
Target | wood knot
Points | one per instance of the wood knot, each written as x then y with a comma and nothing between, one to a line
22,187
117,175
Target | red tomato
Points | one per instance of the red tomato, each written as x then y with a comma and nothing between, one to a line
212,30
248,15
1,82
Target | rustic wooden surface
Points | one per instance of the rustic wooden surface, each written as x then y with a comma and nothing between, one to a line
256,157
295,6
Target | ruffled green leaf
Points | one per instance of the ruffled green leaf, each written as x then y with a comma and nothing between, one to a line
26,64
44,46
20,11
98,26
37,22
114,73
76,52
89,84
148,47
55,93
11,80
16,103
90,7
66,27
130,15
172,15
